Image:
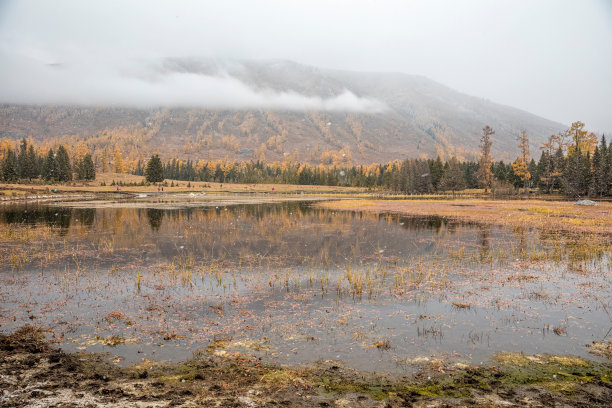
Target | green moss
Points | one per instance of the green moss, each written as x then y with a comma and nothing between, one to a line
518,369
561,374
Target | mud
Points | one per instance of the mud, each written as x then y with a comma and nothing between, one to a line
33,373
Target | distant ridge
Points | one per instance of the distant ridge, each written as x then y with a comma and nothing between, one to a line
420,118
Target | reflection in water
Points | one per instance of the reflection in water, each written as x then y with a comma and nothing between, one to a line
293,283
34,215
485,246
155,217
282,234
86,216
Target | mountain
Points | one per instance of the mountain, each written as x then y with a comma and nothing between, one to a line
291,110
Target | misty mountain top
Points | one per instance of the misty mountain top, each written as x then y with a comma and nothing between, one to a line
237,108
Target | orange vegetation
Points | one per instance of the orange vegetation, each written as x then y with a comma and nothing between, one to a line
551,215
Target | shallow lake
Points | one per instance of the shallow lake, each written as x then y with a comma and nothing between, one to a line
279,279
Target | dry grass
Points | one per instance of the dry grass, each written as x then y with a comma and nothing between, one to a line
548,215
461,305
21,190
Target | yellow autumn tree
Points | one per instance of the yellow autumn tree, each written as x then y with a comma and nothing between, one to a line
484,173
521,164
118,163
583,139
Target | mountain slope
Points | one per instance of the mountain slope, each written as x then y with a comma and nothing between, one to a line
405,116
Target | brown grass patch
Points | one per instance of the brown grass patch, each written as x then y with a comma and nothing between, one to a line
548,215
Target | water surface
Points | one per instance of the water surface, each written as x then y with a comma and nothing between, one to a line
153,278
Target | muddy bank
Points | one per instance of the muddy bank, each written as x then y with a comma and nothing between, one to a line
35,374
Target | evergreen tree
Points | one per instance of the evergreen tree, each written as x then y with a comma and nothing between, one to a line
62,163
34,169
609,167
453,178
499,171
596,181
559,168
601,170
154,171
545,169
469,173
88,170
23,167
49,170
577,173
436,169
535,174
85,169
9,166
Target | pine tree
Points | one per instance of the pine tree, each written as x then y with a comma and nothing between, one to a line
34,169
535,174
49,170
9,166
609,167
597,184
23,168
484,174
62,162
499,171
601,169
559,168
577,173
545,169
437,170
453,178
88,170
154,171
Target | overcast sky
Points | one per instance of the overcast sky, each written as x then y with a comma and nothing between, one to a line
549,57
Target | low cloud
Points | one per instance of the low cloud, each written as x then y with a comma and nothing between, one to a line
32,80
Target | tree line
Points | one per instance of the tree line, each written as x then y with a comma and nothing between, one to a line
573,162
24,164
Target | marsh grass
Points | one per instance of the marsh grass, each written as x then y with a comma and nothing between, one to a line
462,305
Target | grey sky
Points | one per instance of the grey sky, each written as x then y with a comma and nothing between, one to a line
552,58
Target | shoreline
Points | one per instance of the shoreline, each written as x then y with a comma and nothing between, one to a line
35,372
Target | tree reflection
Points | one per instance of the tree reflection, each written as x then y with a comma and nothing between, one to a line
155,217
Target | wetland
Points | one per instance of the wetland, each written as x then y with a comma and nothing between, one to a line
289,281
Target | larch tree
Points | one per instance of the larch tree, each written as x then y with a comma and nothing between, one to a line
521,164
118,162
484,174
582,139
